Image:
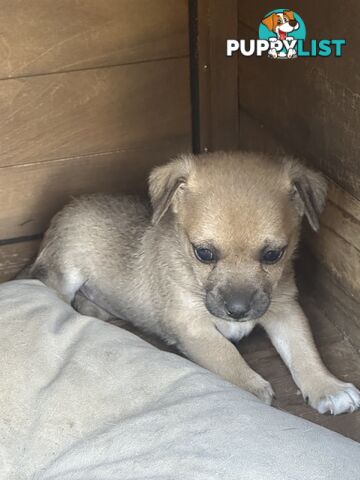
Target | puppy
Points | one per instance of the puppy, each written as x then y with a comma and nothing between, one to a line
206,262
282,24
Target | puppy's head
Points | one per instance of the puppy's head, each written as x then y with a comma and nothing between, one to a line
281,23
237,219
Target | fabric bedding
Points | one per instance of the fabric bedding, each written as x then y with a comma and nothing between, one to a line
85,400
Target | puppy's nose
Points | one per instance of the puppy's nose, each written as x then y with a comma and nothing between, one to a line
293,23
237,306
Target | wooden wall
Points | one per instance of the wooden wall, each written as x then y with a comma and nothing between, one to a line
92,94
311,108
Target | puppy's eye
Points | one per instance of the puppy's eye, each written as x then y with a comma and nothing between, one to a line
279,21
205,255
270,257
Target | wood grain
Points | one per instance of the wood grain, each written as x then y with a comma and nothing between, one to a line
15,257
41,36
80,113
254,136
330,295
218,98
336,278
223,72
337,245
31,194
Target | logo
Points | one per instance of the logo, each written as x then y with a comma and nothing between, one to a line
282,36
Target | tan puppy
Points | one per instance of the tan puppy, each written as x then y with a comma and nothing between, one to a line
209,261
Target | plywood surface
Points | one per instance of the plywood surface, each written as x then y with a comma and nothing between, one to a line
14,257
92,95
42,36
218,86
78,113
31,194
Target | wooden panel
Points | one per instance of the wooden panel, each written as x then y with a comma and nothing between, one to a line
254,136
223,76
330,295
40,36
311,105
100,110
31,194
15,257
218,95
338,244
336,280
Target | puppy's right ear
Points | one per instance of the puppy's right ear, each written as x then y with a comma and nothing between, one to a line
269,22
308,191
166,183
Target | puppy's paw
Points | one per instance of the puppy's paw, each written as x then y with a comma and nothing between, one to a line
262,389
273,53
335,397
291,53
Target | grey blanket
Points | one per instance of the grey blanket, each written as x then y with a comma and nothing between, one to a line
82,399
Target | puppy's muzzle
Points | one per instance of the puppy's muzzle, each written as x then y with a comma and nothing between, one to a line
238,305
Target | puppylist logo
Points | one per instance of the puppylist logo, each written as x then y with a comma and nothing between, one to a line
282,35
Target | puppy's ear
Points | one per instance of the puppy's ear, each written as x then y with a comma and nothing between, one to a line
308,192
289,14
270,21
166,183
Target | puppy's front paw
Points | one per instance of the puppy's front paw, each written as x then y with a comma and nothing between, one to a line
262,389
291,53
335,397
272,53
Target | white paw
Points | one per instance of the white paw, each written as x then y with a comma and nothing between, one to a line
291,53
335,397
273,53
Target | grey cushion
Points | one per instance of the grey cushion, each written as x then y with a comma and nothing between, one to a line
82,399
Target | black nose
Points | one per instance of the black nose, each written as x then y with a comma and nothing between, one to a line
237,306
293,23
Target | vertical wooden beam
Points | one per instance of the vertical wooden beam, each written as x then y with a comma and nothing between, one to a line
217,98
224,89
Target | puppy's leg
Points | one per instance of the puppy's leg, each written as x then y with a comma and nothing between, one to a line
291,336
65,282
210,349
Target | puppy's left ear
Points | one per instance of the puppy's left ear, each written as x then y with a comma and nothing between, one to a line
166,184
308,192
